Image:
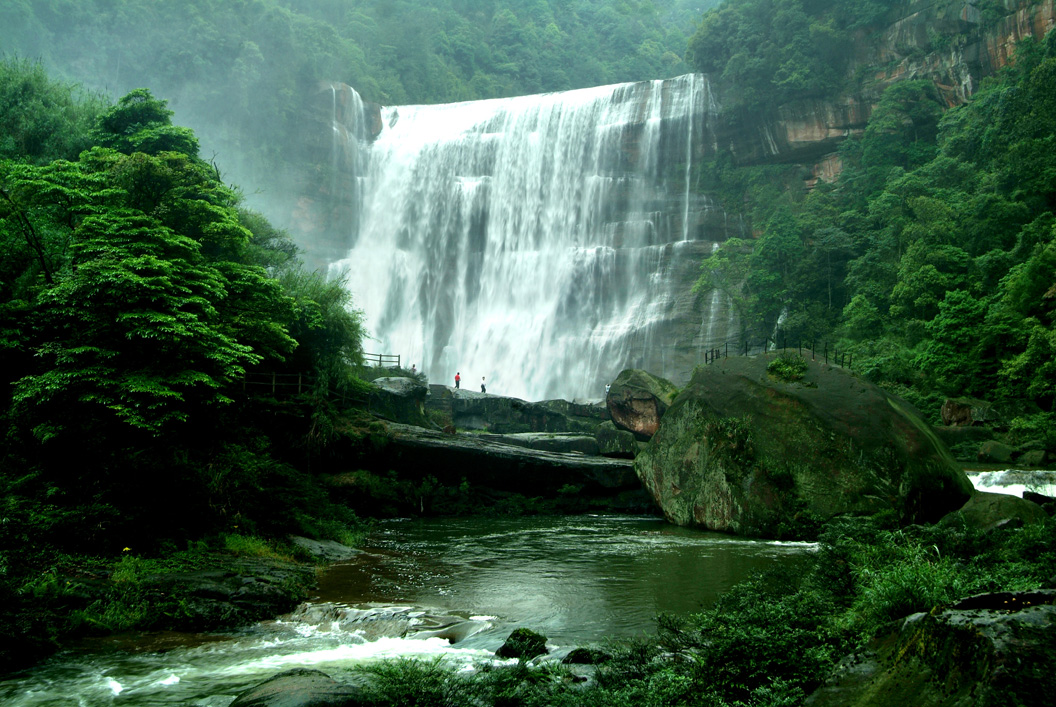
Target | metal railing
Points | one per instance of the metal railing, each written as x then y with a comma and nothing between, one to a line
831,355
290,384
277,383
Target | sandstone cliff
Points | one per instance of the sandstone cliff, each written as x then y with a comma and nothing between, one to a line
948,42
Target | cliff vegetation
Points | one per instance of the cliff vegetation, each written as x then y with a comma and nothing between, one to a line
930,256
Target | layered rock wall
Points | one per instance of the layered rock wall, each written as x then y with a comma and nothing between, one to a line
948,43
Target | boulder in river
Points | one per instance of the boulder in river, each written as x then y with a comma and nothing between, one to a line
744,451
637,400
301,688
996,452
988,511
523,644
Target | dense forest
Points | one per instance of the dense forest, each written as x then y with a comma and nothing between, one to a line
932,256
137,300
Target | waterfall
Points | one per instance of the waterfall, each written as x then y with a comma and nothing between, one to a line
541,241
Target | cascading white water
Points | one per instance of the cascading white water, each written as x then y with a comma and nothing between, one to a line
530,240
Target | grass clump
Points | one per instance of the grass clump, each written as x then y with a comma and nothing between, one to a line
251,546
788,367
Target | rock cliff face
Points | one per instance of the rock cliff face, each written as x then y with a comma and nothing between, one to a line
946,42
339,124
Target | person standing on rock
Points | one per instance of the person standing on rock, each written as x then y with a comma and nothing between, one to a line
482,388
458,379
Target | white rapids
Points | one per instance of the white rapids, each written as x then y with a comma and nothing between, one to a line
1015,481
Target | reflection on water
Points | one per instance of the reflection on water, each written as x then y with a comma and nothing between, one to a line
573,578
450,587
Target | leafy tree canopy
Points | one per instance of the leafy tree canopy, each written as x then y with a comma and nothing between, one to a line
135,297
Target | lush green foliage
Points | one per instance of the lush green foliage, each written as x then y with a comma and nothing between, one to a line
789,367
43,120
137,300
932,257
768,52
226,57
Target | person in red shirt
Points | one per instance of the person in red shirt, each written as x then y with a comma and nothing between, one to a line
458,379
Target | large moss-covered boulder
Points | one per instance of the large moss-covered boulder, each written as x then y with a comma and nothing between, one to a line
757,452
637,400
987,511
990,649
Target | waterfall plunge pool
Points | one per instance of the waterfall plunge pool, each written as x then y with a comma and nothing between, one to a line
423,589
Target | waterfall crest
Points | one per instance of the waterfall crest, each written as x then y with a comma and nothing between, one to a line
540,241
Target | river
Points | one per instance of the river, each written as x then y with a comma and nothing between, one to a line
426,588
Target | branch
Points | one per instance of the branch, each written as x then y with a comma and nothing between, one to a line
30,234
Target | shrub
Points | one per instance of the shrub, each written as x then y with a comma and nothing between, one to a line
788,367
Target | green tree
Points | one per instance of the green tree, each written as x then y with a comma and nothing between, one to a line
141,123
902,130
148,352
328,329
950,356
40,119
726,270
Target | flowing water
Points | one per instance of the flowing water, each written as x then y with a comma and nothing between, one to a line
1015,481
452,587
546,242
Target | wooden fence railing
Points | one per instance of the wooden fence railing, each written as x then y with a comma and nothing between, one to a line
382,359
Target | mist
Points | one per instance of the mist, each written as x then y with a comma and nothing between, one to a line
249,77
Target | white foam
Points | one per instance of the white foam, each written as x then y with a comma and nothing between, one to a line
1015,481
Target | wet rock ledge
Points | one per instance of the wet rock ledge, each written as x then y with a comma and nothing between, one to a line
489,460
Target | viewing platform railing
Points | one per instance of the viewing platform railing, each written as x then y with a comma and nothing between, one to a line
387,360
289,384
830,354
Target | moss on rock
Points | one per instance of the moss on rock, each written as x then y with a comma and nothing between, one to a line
743,451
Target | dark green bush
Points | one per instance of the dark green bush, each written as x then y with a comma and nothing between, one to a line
788,367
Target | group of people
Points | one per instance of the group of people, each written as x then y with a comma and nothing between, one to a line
458,382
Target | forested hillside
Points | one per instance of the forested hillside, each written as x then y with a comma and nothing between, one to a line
138,298
241,73
932,256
